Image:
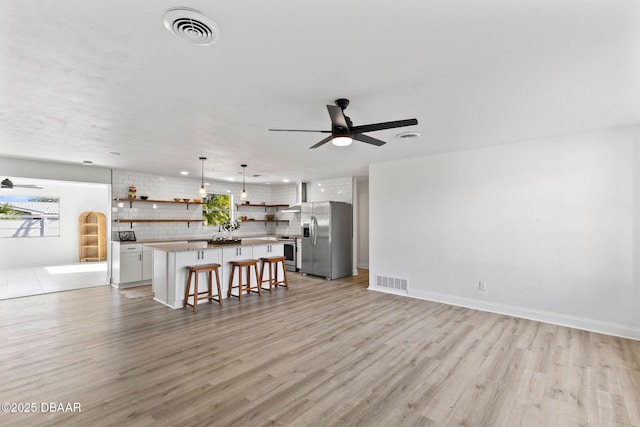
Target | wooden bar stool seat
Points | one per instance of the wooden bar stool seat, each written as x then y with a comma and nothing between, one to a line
244,286
273,262
208,294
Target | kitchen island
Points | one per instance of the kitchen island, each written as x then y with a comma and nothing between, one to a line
170,262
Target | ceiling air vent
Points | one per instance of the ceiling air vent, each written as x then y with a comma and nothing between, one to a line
408,135
191,25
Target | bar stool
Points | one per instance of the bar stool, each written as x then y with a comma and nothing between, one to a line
193,271
273,276
244,287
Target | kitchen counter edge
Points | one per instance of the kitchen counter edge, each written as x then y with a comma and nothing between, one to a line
194,246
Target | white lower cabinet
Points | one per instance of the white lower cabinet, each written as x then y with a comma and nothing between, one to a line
235,253
266,251
127,265
263,251
185,259
147,263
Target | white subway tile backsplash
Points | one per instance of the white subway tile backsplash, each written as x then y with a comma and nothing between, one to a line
158,187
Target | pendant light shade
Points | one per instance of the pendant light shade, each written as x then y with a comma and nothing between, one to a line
243,195
203,190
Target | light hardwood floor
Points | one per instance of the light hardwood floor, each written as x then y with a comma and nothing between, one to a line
319,354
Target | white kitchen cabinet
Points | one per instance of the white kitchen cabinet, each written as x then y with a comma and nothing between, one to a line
127,264
147,263
269,250
130,267
170,273
131,264
235,253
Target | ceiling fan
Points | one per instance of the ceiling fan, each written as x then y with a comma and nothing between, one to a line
343,132
7,184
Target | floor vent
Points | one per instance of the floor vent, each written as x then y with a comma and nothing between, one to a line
391,283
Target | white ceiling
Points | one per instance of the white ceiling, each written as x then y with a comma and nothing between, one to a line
82,79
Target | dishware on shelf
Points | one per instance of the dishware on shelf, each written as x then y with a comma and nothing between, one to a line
185,200
177,199
270,217
197,200
144,197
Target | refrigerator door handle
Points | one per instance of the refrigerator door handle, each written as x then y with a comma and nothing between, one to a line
315,230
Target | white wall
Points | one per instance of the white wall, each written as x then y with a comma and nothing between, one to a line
53,171
75,198
551,226
362,200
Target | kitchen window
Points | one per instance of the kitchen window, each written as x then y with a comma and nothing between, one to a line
216,209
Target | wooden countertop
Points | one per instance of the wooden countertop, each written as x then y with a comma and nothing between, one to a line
194,246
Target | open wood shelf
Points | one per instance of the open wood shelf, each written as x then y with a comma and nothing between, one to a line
156,220
265,220
92,236
131,220
265,206
181,202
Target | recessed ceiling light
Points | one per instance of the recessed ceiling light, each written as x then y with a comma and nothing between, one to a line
206,183
285,180
408,135
184,173
230,179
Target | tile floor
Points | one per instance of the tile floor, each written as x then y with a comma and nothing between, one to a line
20,282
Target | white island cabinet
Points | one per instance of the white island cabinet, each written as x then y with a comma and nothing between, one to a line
266,251
170,270
235,253
170,262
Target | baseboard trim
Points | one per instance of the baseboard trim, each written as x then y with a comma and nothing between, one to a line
590,325
387,290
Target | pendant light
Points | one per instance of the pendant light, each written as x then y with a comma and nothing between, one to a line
203,190
243,195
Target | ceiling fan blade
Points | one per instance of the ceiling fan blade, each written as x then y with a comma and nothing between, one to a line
369,140
28,186
324,141
385,125
299,130
337,117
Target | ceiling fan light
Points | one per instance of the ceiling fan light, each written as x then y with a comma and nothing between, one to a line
342,141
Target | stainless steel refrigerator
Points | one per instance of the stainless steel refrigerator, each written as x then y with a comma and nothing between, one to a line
327,236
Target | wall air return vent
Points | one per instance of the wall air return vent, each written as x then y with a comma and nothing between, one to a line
191,25
392,283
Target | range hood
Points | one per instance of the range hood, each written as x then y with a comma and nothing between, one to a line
301,197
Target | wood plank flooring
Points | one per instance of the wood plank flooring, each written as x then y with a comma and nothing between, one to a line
319,354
